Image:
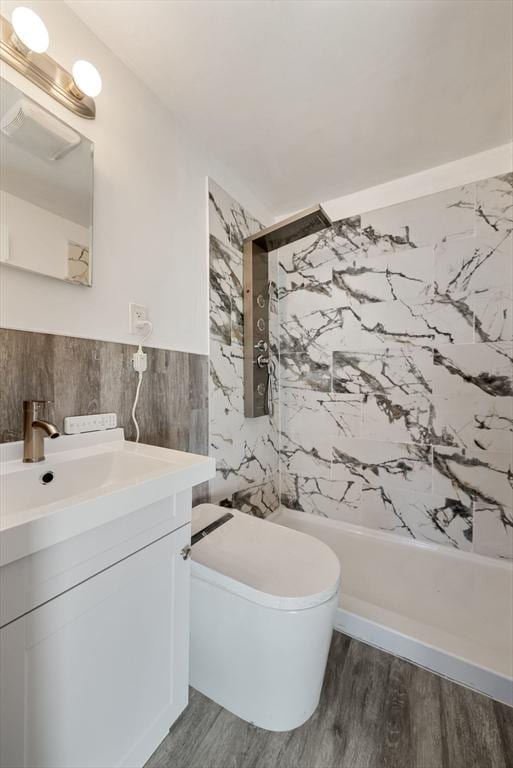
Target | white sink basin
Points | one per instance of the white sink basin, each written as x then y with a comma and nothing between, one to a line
95,478
95,471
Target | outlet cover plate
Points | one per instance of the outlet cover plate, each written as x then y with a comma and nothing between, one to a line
136,313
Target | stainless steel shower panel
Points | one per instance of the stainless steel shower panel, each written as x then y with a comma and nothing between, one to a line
289,230
256,300
256,329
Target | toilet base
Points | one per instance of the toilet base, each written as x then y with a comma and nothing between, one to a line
263,664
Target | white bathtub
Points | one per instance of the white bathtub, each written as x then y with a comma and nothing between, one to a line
448,611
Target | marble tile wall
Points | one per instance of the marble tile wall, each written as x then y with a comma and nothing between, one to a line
84,376
246,450
395,352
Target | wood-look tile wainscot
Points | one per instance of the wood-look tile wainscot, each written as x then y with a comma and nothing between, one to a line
82,376
376,711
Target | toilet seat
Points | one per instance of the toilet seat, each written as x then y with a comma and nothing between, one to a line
263,562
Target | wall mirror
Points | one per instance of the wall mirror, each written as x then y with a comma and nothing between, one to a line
46,191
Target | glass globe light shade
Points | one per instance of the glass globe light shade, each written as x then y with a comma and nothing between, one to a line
87,78
30,29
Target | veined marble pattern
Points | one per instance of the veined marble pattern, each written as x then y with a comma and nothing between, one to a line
246,450
308,411
388,276
493,530
412,331
469,369
465,266
397,417
403,369
305,457
228,221
319,333
257,500
330,246
443,320
474,421
79,264
223,282
404,466
473,395
338,500
304,287
301,370
480,269
395,487
474,476
422,221
392,355
429,517
479,272
494,205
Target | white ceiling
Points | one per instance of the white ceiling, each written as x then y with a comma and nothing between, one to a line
306,100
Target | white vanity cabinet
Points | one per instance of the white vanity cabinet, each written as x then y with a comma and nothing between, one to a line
96,675
94,639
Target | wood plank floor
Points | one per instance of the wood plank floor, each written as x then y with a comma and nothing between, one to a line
376,711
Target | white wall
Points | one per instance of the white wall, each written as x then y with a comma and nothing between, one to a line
150,210
484,165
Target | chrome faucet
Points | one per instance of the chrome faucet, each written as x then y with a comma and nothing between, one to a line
35,430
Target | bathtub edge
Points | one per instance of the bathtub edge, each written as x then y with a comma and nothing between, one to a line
457,670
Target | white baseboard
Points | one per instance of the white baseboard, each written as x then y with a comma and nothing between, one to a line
154,736
458,670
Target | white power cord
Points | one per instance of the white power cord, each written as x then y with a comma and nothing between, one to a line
140,363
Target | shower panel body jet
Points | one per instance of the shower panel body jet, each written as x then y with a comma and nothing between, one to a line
256,329
257,383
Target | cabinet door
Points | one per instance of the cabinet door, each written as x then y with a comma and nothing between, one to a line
95,677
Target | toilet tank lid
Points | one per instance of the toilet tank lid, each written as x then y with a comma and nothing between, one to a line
262,561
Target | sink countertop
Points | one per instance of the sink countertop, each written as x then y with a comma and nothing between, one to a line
98,477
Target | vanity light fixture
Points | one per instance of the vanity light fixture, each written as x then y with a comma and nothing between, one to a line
29,30
23,44
86,79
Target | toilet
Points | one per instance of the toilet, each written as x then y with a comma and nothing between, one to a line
263,599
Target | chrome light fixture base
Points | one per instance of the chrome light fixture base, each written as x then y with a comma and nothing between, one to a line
44,72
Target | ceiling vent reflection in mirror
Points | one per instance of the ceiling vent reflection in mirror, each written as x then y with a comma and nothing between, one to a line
37,131
23,44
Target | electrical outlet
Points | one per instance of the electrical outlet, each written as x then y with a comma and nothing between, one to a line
136,313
